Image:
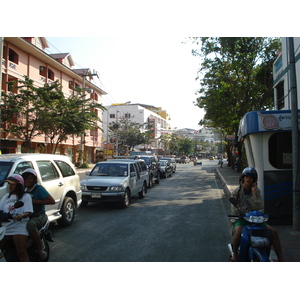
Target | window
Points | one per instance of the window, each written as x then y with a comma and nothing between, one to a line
4,170
127,115
21,167
280,150
43,71
13,56
280,95
112,116
13,84
65,168
50,74
47,170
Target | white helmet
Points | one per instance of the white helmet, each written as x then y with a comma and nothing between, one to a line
30,171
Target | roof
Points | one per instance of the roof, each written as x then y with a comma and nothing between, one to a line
62,56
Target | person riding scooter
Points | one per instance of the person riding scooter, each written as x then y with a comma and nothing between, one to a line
249,198
40,198
17,228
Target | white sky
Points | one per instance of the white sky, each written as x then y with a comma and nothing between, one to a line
158,71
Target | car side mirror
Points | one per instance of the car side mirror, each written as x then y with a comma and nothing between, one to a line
132,174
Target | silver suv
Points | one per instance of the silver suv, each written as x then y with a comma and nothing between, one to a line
115,180
58,176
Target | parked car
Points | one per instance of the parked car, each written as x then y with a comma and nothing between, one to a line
56,173
153,165
172,162
115,180
184,160
165,168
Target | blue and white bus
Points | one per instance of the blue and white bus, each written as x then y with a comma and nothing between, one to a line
268,142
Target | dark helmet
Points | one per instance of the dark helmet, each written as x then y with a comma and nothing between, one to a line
251,172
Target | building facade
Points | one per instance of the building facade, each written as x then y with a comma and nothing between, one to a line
282,96
141,114
27,56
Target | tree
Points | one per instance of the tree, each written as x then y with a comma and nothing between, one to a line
33,111
63,117
186,146
128,134
235,78
18,110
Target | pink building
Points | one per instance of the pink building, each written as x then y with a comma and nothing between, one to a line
27,56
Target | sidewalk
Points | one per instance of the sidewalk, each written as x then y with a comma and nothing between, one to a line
290,239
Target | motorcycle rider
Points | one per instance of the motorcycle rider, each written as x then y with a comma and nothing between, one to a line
17,229
249,198
40,197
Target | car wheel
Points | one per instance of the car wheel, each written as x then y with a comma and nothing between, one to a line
126,199
68,212
143,191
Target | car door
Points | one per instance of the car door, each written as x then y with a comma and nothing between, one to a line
52,182
139,180
133,179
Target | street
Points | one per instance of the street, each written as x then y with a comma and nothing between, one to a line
182,219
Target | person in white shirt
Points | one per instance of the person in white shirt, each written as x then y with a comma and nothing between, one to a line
17,229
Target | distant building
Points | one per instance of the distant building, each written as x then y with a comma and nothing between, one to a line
139,113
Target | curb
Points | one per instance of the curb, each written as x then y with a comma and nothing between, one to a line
228,189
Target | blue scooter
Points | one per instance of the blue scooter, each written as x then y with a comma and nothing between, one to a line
256,239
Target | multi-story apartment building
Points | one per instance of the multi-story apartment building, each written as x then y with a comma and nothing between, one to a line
27,56
139,113
282,97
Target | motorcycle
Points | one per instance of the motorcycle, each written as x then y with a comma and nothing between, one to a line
256,239
9,251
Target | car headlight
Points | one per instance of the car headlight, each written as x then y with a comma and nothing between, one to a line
83,187
116,189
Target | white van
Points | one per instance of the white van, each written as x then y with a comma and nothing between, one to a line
55,173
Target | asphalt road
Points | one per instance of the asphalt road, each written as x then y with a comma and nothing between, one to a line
182,219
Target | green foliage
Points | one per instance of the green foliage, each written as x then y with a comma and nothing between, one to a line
128,133
84,165
235,78
45,110
19,110
186,146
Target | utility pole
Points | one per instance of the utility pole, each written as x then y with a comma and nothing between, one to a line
295,136
82,139
1,55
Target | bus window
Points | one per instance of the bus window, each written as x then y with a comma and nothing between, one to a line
280,150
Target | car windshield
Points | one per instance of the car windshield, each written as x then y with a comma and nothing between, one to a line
115,170
4,170
146,159
163,162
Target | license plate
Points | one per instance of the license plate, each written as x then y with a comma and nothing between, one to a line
96,195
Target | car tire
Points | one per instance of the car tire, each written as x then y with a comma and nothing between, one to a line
143,191
68,212
126,199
